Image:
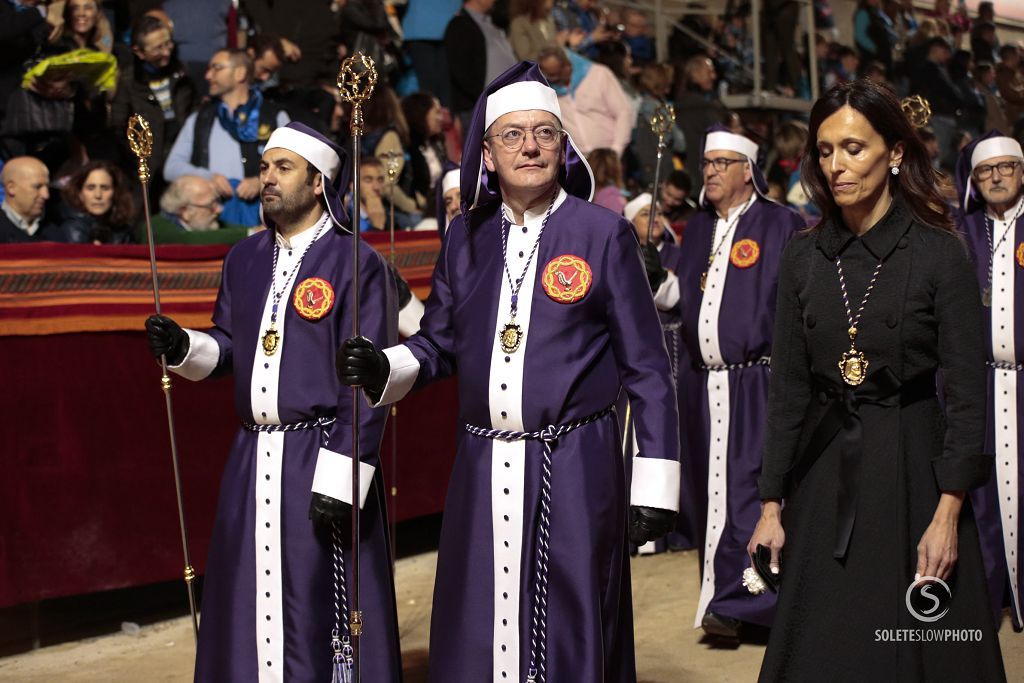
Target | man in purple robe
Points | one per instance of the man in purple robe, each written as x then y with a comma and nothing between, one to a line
728,281
269,604
990,173
541,302
663,258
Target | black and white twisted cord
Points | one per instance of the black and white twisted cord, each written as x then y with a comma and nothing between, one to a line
1005,365
341,642
321,422
855,320
537,671
726,367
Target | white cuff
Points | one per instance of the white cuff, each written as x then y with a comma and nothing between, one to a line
404,369
201,359
409,318
333,477
667,295
655,483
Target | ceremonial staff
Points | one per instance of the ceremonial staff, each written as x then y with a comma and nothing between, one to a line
140,139
391,164
661,123
356,81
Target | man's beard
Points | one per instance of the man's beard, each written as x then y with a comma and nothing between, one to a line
288,208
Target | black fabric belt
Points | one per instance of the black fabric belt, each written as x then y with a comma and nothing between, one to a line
881,388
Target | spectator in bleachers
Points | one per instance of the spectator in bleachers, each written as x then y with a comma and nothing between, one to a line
423,30
24,28
931,145
972,112
222,140
779,20
190,214
875,71
427,153
26,183
366,28
995,113
532,29
373,214
615,55
1010,81
595,109
477,51
201,27
637,34
386,136
874,32
85,27
932,81
268,57
917,48
156,87
681,46
697,109
845,67
675,201
608,185
98,207
582,15
984,43
655,86
314,32
735,40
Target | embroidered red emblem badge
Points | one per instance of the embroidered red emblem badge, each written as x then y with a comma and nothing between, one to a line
745,253
567,279
314,298
1020,254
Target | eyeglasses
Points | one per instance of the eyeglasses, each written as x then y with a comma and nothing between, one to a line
209,207
1005,168
721,164
546,137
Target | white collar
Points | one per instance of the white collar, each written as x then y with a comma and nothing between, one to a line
302,239
536,212
1016,210
742,206
30,227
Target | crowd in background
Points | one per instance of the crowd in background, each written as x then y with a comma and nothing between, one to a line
215,77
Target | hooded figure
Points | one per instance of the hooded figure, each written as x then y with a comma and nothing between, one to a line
541,301
728,281
282,311
989,177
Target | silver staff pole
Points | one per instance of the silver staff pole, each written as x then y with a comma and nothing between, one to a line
356,80
661,123
140,139
391,164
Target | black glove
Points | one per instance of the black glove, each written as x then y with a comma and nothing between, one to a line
649,524
166,338
656,273
404,293
360,364
324,510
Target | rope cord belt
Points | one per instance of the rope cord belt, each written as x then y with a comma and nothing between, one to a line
764,360
321,422
537,672
1004,365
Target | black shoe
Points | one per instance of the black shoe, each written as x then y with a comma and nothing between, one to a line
720,626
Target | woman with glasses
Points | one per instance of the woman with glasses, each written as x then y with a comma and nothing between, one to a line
990,175
865,474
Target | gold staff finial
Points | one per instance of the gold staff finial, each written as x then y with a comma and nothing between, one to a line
356,80
663,119
917,109
392,162
140,139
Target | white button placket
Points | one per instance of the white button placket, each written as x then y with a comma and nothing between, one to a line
718,414
1004,272
508,459
263,393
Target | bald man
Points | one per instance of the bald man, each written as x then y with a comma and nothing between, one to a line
26,189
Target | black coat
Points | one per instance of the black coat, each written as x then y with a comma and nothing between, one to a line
924,313
134,96
21,34
47,232
467,60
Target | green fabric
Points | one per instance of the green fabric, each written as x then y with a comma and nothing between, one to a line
166,231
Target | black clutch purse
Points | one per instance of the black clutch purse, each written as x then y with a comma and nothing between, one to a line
762,565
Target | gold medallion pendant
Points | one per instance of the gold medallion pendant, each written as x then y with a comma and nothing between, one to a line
511,337
853,366
271,339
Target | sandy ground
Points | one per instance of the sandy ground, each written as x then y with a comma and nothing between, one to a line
668,650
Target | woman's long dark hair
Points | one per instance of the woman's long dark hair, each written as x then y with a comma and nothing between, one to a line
122,208
415,107
917,182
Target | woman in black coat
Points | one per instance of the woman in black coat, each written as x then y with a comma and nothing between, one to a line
98,206
873,302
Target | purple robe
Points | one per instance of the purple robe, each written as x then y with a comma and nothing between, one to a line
997,505
267,606
573,362
724,409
